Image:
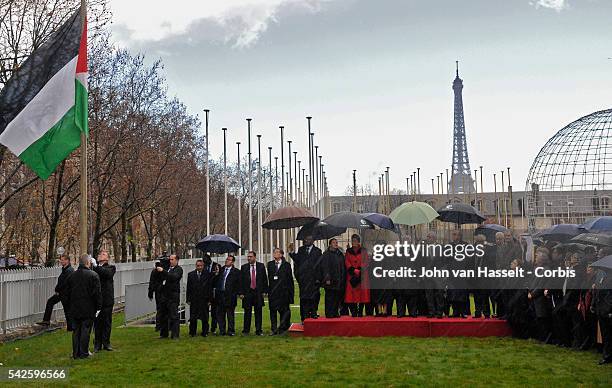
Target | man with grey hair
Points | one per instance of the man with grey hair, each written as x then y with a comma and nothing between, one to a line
85,300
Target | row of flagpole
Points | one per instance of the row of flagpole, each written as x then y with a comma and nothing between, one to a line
304,187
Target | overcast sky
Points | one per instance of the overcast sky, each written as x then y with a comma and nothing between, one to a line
376,75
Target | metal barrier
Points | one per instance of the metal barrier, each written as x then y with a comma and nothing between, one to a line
24,292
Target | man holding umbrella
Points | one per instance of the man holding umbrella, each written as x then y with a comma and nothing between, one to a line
306,270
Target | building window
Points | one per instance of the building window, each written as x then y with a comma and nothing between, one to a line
604,203
336,207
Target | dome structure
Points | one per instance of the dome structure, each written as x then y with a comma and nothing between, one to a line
570,179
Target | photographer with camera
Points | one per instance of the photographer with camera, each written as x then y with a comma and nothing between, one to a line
155,282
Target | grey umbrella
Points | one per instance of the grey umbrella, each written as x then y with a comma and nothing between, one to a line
348,220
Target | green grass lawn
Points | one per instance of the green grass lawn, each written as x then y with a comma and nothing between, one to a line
143,360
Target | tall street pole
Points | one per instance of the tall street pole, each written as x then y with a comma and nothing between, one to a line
259,214
239,206
271,197
225,175
206,111
250,188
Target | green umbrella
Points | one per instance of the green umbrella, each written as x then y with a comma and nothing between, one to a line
413,213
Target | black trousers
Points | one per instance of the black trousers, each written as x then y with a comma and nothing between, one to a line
357,309
250,304
51,302
80,337
226,319
435,301
284,313
102,327
605,324
158,311
169,318
213,316
543,328
481,303
309,307
199,313
333,298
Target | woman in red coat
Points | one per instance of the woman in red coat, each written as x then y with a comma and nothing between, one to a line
357,292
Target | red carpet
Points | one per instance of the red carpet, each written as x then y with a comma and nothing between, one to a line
411,327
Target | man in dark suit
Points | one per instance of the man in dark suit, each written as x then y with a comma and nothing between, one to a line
603,309
199,296
541,298
58,296
212,269
280,292
104,320
226,296
307,260
85,300
253,287
155,283
333,278
170,291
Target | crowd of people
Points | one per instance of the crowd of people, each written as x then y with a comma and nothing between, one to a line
571,312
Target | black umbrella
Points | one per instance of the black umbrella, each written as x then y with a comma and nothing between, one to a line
560,232
605,262
489,231
289,217
348,220
218,243
379,220
319,231
599,239
460,213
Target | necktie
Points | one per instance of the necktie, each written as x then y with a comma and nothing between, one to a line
253,280
225,278
199,273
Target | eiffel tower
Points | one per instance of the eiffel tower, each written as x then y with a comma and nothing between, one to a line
461,180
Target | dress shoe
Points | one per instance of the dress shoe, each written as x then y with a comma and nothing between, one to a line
605,361
97,348
43,323
478,315
259,333
204,334
231,334
108,348
273,333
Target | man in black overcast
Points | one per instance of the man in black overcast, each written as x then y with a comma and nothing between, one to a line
104,320
170,291
67,270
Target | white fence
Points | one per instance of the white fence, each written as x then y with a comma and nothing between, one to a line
24,292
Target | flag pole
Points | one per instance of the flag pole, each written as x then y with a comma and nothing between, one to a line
83,245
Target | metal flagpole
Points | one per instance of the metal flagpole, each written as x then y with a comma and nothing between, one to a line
259,214
84,240
207,178
283,193
315,202
296,178
239,206
250,188
278,239
225,175
310,141
299,181
290,177
271,198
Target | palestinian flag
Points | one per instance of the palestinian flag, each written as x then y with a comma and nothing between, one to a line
43,106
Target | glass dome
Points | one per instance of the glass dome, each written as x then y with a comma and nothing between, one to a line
570,179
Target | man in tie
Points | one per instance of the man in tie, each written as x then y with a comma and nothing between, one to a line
171,291
211,269
306,271
226,295
253,287
280,292
199,294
